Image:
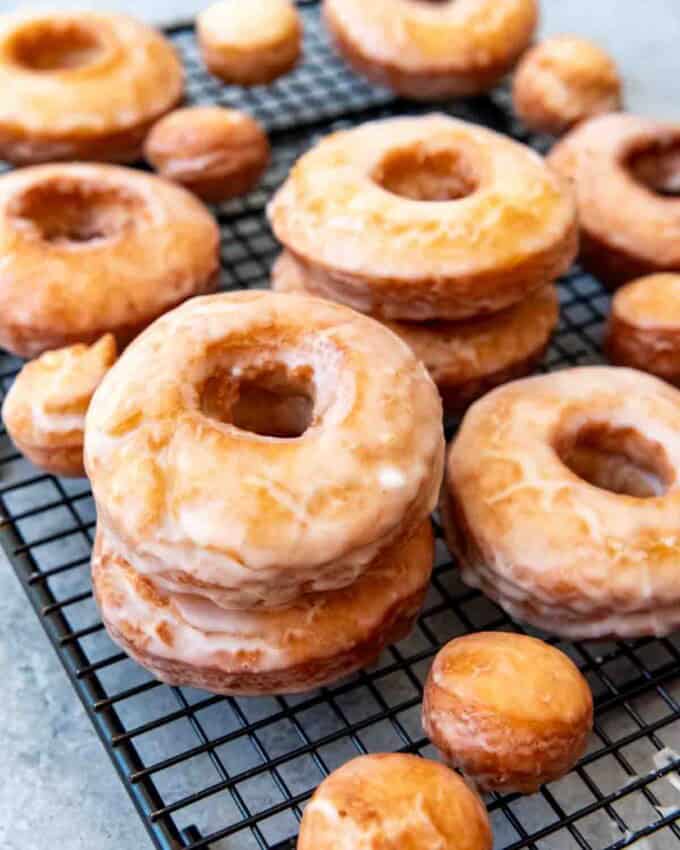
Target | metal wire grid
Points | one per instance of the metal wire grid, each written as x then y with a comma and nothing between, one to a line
205,771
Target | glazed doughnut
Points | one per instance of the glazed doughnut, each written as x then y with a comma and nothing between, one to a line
644,326
197,406
625,170
508,710
564,80
562,502
44,410
216,153
425,218
432,51
90,249
250,43
187,640
465,359
393,800
82,85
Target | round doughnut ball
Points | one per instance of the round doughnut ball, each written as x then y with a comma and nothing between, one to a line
429,217
564,80
432,50
626,173
562,501
644,326
394,800
250,447
250,43
91,249
44,410
465,359
82,85
508,710
314,641
216,153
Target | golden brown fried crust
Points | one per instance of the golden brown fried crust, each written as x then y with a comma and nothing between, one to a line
323,637
643,331
426,85
564,80
62,103
370,37
384,247
510,711
254,51
249,72
116,249
214,152
65,460
620,166
394,801
22,148
465,359
44,410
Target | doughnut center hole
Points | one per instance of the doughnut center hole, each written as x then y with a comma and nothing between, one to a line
422,174
620,460
76,212
271,401
658,168
56,46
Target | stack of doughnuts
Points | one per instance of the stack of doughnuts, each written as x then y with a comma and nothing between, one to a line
263,467
449,232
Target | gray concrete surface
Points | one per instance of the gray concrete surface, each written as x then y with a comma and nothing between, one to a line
57,787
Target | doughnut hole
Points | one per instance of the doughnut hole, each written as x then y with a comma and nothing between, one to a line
57,45
76,212
620,460
422,174
271,401
657,166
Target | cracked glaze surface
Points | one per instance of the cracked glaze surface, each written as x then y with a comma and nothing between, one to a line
551,548
393,800
174,486
401,258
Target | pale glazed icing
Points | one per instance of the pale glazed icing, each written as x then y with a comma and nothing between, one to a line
315,633
394,800
238,24
418,259
49,397
183,497
550,547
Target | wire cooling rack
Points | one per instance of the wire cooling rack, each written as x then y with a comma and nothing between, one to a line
205,771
